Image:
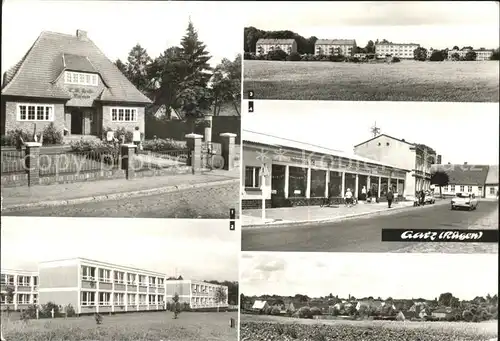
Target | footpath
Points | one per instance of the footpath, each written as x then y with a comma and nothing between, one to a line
18,198
314,214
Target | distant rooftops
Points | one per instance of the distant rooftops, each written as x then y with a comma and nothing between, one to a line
335,42
275,41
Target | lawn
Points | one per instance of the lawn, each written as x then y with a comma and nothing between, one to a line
405,81
256,328
154,326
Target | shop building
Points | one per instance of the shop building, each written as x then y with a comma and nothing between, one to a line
304,174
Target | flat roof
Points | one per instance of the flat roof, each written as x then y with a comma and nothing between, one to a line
270,140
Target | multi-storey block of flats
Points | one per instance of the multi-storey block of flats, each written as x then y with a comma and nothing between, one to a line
96,287
19,289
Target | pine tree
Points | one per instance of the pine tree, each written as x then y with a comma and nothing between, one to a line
138,68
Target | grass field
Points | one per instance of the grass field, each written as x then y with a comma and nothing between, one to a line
404,81
127,327
258,327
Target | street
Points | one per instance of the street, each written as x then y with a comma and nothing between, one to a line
207,203
364,234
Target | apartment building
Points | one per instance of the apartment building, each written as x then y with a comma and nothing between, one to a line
481,54
92,286
264,46
417,158
396,50
19,289
199,295
333,47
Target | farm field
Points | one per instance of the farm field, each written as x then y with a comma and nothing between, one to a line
257,327
405,81
127,327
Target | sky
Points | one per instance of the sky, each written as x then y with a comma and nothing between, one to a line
117,26
460,132
196,249
431,24
384,275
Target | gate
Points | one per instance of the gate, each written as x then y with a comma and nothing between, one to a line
211,156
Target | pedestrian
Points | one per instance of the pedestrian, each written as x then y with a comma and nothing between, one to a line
363,193
422,197
390,197
369,195
348,197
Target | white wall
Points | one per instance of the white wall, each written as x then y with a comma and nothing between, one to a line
488,190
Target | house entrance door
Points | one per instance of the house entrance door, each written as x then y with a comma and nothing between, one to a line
278,185
77,122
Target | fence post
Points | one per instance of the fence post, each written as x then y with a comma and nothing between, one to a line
194,146
127,155
228,150
32,162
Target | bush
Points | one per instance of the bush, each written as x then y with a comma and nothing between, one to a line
337,58
275,311
267,311
395,60
277,55
316,311
46,310
467,315
13,138
304,312
248,56
51,135
29,313
129,135
437,56
294,57
157,145
70,311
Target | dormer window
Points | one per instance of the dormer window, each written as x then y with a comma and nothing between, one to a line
81,78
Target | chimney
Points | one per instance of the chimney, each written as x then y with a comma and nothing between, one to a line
438,159
465,163
81,34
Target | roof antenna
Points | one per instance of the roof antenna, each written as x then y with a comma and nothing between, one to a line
375,130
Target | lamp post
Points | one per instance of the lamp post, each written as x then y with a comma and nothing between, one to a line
264,173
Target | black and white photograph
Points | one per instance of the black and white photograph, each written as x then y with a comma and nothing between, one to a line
439,51
370,297
118,279
120,109
329,176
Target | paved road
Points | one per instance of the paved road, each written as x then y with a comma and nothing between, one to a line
208,203
364,235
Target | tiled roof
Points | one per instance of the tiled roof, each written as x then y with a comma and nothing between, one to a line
492,177
398,44
78,63
43,64
464,174
259,304
275,41
250,136
335,42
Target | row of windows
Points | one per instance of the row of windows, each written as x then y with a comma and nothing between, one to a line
21,280
104,275
462,188
20,299
44,112
81,78
35,112
104,299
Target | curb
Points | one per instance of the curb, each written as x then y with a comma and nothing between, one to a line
334,219
115,196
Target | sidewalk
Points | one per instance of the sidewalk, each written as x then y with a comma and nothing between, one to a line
92,191
316,214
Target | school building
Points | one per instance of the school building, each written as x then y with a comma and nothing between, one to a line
92,286
22,286
305,174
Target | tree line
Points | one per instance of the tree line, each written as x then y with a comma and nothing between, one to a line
182,80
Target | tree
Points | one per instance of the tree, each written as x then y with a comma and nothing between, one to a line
455,56
470,56
121,66
226,84
220,296
277,54
495,55
445,299
420,54
440,179
176,306
138,63
456,47
370,47
242,301
437,56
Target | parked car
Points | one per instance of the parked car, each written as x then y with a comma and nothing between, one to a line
464,200
429,198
